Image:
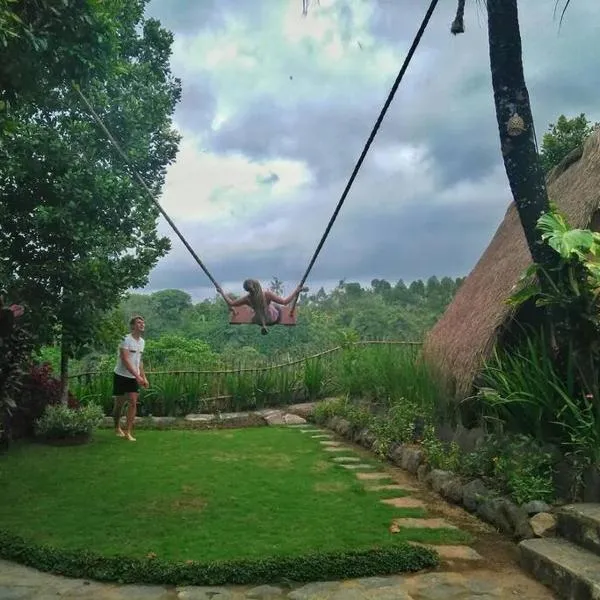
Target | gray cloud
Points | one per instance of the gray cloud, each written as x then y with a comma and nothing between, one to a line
413,239
445,106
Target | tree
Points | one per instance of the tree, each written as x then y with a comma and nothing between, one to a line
564,137
171,304
276,286
515,124
46,44
77,229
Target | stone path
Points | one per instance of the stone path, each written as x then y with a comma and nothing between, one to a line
21,583
465,573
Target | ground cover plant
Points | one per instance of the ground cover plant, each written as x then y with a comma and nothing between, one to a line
189,496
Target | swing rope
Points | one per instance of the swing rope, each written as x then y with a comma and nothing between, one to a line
144,186
367,146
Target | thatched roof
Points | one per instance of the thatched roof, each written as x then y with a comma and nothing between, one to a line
465,334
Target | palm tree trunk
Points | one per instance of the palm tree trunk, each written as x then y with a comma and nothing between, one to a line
515,124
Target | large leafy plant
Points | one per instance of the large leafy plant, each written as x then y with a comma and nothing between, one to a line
571,295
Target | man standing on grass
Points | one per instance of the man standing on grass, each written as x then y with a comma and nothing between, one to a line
129,376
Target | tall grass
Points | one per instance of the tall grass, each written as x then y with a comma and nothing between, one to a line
524,391
383,373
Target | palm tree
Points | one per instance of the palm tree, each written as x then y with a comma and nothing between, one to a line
515,120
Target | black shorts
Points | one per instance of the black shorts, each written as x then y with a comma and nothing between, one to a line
124,385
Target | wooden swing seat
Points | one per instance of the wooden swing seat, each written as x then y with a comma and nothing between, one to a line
244,315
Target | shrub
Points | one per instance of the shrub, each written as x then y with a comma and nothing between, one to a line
60,422
15,350
389,560
39,389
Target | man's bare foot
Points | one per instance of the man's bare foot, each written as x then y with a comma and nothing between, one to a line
130,437
120,432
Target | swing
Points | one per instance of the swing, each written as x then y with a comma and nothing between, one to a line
244,315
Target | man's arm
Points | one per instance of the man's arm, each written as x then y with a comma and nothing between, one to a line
143,373
124,352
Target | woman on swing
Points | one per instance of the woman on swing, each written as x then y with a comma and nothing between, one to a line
263,303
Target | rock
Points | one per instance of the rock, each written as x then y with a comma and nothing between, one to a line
332,423
491,510
343,427
411,459
453,490
293,419
565,480
591,484
396,455
203,593
311,591
265,592
437,478
535,506
519,520
304,410
230,416
543,524
368,440
164,420
423,471
468,439
200,417
273,417
474,493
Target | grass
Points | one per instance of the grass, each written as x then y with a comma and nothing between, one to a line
184,495
383,373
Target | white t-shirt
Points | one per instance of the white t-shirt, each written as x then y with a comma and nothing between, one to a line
136,349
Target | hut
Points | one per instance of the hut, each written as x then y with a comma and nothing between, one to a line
466,333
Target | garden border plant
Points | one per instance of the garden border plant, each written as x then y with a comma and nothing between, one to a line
402,558
353,422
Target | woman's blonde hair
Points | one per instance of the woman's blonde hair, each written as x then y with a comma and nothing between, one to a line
258,302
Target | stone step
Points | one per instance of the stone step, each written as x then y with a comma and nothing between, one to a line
580,523
572,572
404,502
451,553
433,523
357,466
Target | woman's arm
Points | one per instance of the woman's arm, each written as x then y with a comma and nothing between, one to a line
271,297
233,303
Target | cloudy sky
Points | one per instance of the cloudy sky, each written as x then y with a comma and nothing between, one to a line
276,108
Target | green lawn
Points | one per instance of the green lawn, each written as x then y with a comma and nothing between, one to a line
196,495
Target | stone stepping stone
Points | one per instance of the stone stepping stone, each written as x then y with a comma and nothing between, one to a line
346,459
357,466
322,436
452,552
391,486
335,449
372,476
312,431
404,502
330,443
434,523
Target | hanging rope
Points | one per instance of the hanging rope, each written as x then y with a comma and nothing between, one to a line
363,154
143,184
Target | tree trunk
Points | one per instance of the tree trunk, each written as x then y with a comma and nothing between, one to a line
515,124
64,372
